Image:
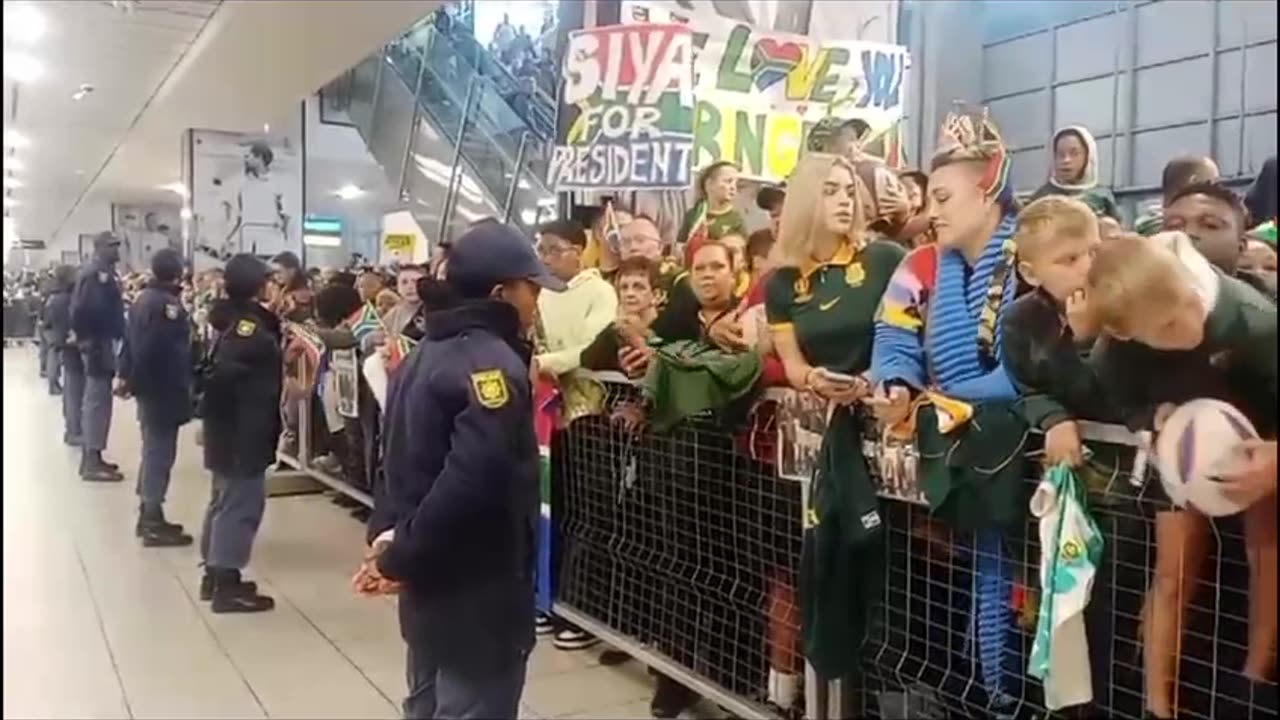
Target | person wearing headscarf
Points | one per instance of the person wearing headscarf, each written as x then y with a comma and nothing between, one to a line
1075,171
938,368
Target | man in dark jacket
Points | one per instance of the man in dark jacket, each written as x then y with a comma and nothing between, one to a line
57,324
240,409
97,319
157,369
456,526
55,327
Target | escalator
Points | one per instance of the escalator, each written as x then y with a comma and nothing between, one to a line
446,135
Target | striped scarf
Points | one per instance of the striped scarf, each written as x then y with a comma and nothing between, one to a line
967,306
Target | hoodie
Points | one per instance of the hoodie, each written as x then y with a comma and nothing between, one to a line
1085,188
572,319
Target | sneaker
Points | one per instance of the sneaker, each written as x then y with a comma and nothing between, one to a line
230,595
670,698
572,638
543,624
206,586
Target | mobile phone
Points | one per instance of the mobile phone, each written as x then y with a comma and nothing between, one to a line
834,376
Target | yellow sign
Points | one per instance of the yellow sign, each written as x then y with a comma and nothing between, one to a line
398,242
491,388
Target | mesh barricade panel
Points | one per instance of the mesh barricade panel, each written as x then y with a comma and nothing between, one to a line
675,539
684,544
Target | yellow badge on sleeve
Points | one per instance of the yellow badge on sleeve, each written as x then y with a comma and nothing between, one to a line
245,328
491,388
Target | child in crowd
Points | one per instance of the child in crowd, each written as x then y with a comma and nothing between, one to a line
1047,331
1176,329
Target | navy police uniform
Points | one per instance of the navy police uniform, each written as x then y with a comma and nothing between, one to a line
157,369
240,412
57,324
97,319
461,493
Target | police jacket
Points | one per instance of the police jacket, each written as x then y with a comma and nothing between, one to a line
240,405
56,318
97,307
157,365
462,470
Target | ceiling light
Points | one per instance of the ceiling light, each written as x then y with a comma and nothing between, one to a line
85,89
15,139
22,67
185,213
23,23
12,182
349,192
176,187
266,128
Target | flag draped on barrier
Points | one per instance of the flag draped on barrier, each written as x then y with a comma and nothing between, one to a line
546,411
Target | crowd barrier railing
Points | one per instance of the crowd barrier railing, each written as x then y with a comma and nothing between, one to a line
683,548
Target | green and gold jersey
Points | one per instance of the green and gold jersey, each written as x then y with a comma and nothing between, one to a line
831,306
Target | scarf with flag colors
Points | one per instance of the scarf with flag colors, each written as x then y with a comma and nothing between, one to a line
398,348
546,412
699,232
364,322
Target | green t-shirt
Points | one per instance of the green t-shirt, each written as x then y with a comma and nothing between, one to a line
832,307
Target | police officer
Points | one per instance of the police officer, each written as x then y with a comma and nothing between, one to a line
240,410
97,319
157,370
455,529
57,323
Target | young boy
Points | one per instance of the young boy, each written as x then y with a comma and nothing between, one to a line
1177,329
1047,332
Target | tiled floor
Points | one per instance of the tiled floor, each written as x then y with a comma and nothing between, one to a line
97,627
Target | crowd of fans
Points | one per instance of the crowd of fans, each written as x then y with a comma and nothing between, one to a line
895,296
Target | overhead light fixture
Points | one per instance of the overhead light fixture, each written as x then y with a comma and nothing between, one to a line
23,23
15,139
22,67
12,182
349,192
185,213
266,128
85,89
176,187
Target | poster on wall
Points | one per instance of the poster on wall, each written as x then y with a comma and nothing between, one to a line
759,92
629,92
144,229
246,196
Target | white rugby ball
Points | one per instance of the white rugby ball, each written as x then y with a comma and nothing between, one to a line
1196,447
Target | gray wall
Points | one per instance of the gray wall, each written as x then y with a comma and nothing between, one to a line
1150,79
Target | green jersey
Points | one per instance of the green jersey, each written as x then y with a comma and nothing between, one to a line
831,306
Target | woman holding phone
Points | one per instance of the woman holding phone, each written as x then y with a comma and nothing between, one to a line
821,306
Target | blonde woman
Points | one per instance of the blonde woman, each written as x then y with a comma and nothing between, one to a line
821,307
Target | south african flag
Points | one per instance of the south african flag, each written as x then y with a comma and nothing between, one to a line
546,411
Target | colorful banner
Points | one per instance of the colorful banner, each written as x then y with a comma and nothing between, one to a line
760,92
629,92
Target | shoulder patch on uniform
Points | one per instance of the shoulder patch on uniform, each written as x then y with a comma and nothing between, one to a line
245,328
171,311
490,387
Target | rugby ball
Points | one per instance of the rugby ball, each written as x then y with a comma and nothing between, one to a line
1196,447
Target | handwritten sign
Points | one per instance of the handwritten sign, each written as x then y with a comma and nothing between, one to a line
629,89
760,92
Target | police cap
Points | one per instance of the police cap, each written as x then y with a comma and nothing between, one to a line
491,253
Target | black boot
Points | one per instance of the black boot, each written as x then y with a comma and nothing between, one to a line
55,389
206,586
231,596
155,531
92,469
72,440
156,518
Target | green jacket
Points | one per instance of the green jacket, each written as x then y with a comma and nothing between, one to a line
688,377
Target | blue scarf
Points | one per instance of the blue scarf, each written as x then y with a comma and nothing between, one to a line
961,297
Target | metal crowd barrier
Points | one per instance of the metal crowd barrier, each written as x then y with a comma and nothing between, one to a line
672,548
